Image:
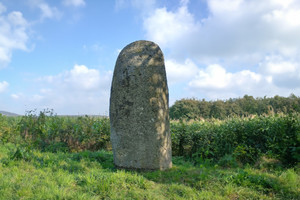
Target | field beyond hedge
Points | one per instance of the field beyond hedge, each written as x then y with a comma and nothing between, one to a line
44,156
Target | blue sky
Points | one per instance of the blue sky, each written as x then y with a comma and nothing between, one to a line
60,54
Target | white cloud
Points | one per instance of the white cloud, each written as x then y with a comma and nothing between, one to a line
283,72
80,78
287,17
235,31
165,27
16,96
215,82
284,4
75,3
179,72
47,11
3,86
249,47
79,90
274,77
213,77
223,6
281,68
14,30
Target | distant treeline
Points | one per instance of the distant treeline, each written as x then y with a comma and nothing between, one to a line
221,109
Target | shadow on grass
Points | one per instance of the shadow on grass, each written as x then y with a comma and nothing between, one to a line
182,172
102,157
208,175
200,177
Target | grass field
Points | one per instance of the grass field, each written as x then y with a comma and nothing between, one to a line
92,175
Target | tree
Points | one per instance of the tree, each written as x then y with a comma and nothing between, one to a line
218,110
248,105
185,109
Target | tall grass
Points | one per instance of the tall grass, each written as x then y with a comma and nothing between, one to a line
246,139
50,132
243,140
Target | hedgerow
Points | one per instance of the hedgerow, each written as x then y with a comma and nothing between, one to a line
243,140
50,132
246,139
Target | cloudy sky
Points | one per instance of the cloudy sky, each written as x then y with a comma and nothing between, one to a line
60,54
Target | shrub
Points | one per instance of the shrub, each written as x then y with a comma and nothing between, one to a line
244,139
50,132
277,136
8,129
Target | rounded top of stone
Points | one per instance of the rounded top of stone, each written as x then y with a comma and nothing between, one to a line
141,52
140,47
141,43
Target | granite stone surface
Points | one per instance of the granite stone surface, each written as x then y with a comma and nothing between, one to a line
139,109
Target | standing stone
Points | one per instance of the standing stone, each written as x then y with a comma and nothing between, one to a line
139,109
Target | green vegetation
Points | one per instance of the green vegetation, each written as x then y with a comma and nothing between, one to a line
49,132
245,139
44,156
200,109
91,175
